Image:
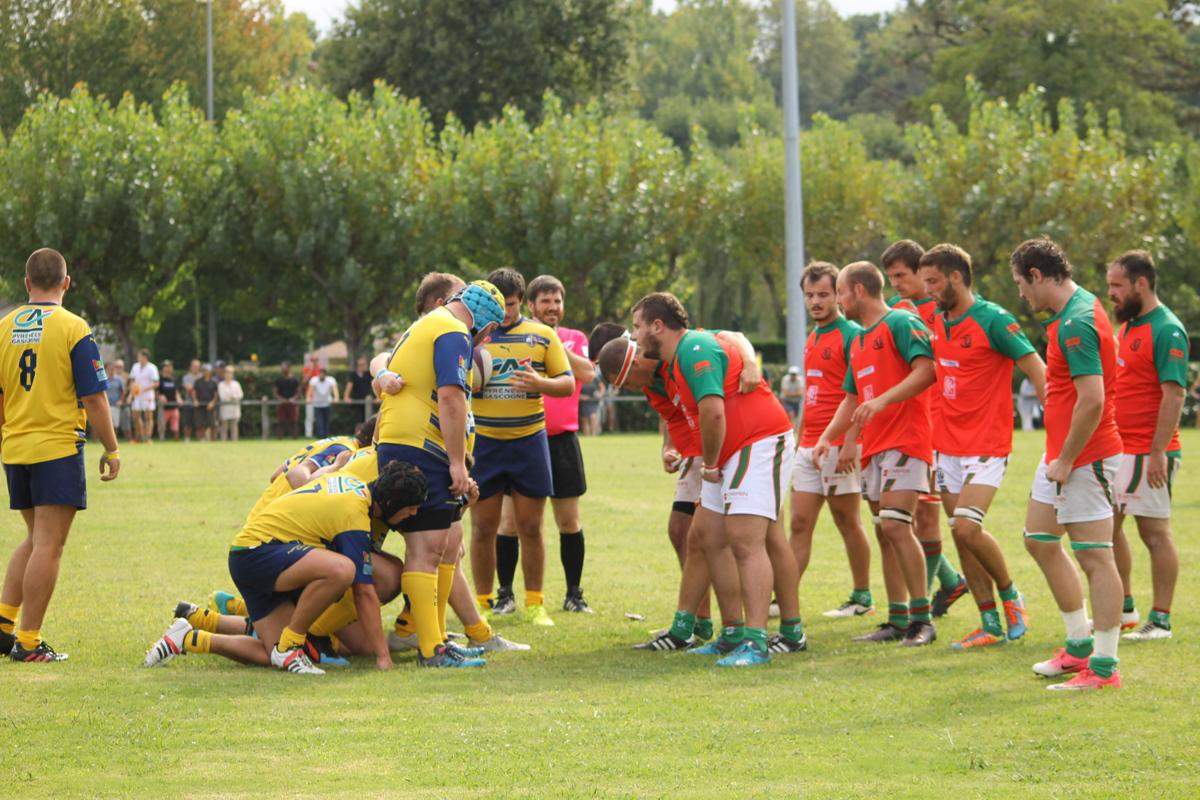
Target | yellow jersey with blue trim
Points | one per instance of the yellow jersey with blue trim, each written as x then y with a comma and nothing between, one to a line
434,352
502,412
322,452
363,465
332,512
48,361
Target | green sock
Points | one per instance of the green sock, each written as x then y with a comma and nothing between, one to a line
991,621
1129,607
791,629
932,562
862,597
1080,648
947,575
1009,593
898,614
733,632
918,609
683,625
757,637
704,628
1161,618
1102,666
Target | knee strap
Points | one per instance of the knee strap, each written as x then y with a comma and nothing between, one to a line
896,514
1090,545
970,513
1043,537
875,520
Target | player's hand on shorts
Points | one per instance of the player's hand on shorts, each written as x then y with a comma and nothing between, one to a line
472,493
671,460
846,458
460,480
865,411
1058,471
109,467
711,474
750,378
526,380
820,451
1156,469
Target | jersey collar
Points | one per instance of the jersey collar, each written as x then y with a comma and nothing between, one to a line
950,323
1070,301
838,319
42,303
1144,318
504,329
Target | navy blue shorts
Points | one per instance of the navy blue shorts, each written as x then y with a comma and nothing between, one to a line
440,509
518,465
255,569
60,482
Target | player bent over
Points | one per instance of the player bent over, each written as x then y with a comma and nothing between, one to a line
1072,488
53,383
1151,379
890,368
295,558
975,344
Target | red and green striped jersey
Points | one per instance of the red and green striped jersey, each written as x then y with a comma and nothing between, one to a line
974,356
683,437
1080,342
825,358
705,367
880,357
1153,350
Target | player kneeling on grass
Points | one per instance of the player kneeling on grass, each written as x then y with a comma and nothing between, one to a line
296,558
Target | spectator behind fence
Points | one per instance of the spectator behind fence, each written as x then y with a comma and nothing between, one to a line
791,391
143,384
168,401
118,387
358,386
311,370
322,391
589,406
287,392
229,395
205,392
187,399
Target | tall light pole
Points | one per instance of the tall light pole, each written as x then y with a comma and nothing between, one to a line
212,302
797,318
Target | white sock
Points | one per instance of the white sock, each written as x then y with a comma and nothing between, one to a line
1077,624
1106,642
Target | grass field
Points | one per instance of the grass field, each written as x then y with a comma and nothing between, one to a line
582,715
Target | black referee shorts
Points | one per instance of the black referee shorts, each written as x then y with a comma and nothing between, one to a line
566,466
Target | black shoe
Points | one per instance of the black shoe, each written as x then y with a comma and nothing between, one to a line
887,632
7,642
664,642
575,602
944,598
919,634
504,603
43,652
781,644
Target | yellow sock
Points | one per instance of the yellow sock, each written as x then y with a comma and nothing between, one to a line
197,642
480,631
29,640
405,626
421,588
445,579
204,620
288,639
237,607
533,598
8,617
336,617
484,601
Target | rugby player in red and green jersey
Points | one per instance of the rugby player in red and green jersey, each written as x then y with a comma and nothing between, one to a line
747,446
900,264
1072,488
891,366
975,343
1151,376
813,485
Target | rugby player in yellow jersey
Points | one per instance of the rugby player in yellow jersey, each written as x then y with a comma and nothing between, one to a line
53,383
295,558
428,422
512,454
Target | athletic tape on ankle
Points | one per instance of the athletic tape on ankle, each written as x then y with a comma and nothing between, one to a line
1090,545
1043,537
896,514
971,513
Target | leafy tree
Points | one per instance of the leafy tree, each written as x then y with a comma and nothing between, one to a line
122,195
826,53
472,59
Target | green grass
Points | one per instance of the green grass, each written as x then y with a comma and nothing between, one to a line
582,715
